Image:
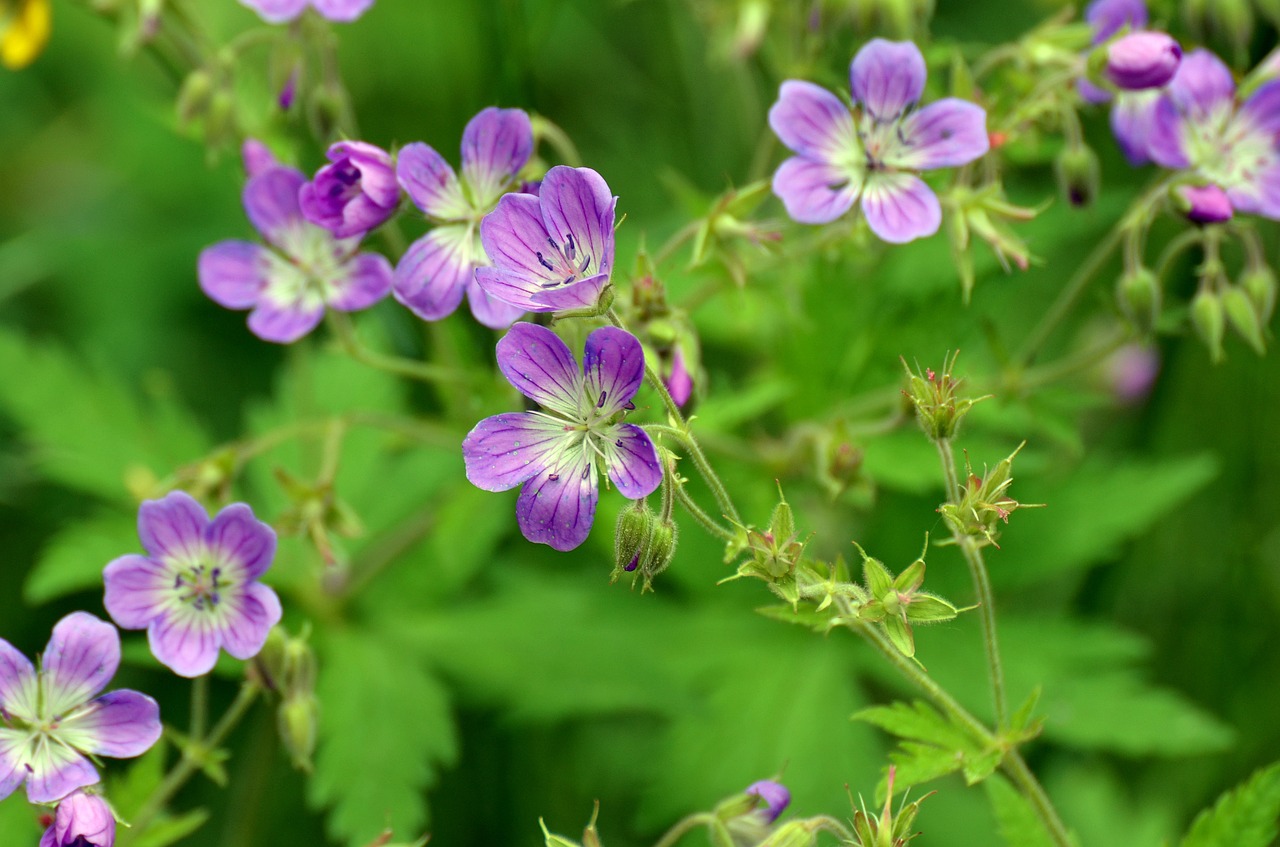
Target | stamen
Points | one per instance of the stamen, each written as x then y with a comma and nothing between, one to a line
545,263
553,477
553,244
586,263
586,471
569,249
630,407
600,402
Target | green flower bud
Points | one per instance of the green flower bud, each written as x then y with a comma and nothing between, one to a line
1243,315
1077,171
298,718
1139,295
939,407
630,537
269,664
1260,283
660,550
1210,320
195,96
798,833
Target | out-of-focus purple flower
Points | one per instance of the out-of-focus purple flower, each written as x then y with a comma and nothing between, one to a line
1131,372
679,381
354,193
50,719
439,268
281,11
197,588
289,91
775,795
257,157
556,453
553,251
82,820
1143,60
872,156
1107,17
1205,204
288,285
1199,127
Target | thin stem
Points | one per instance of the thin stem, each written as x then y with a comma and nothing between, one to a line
343,330
706,521
199,706
1087,358
824,823
683,827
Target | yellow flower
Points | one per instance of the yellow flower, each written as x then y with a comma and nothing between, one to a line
24,29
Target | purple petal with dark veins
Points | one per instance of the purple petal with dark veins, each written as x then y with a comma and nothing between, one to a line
513,235
271,202
539,365
82,656
576,202
1132,120
430,182
242,544
434,271
582,294
775,795
814,192
1202,85
17,684
812,121
185,642
505,450
121,724
496,144
490,311
137,590
633,462
172,527
249,618
613,368
55,771
944,134
367,280
900,207
283,323
557,506
887,77
233,273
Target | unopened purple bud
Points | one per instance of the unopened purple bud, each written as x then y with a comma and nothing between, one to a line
257,157
82,820
1143,60
1205,204
679,382
289,91
1132,371
775,796
353,194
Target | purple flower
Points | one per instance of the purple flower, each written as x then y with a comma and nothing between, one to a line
1199,127
873,155
353,194
289,284
50,719
82,820
553,251
679,381
280,11
775,795
439,268
197,589
1205,204
1133,112
1143,60
556,453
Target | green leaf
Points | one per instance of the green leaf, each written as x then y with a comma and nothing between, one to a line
130,790
917,721
19,821
74,559
1015,818
171,829
386,729
1245,816
805,615
934,746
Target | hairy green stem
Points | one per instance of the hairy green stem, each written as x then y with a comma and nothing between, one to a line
683,827
704,520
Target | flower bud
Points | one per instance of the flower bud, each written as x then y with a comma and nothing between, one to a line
355,193
939,407
1260,283
799,833
659,551
1077,170
679,381
775,795
1204,204
1141,60
1130,372
82,820
195,96
1243,316
1139,296
630,537
298,718
1210,320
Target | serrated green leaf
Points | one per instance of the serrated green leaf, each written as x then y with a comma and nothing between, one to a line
917,764
1015,818
386,728
804,616
172,829
918,721
1245,816
73,560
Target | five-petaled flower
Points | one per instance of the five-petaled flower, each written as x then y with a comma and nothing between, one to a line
51,719
553,251
197,588
289,284
843,156
280,11
556,453
1199,127
354,193
82,820
440,267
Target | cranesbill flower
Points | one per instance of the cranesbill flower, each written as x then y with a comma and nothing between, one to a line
354,193
775,795
280,11
872,154
197,588
557,452
1199,127
439,268
82,820
50,719
553,251
1142,60
288,284
24,31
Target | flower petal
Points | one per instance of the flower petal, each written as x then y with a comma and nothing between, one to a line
513,235
430,182
434,271
505,450
1165,134
82,819
558,505
633,462
55,771
121,724
887,77
137,590
576,203
539,365
1202,85
11,770
82,656
490,311
1261,194
240,542
367,280
582,294
18,695
343,11
1108,16
944,134
900,207
276,11
271,202
814,192
495,145
284,323
248,619
1132,119
613,368
812,121
1261,112
185,642
233,273
172,527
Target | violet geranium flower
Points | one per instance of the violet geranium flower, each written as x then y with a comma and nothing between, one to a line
82,820
51,719
288,285
557,452
354,193
775,795
197,588
439,268
1199,127
553,251
281,11
872,156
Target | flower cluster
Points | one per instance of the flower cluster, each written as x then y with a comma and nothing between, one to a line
282,11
